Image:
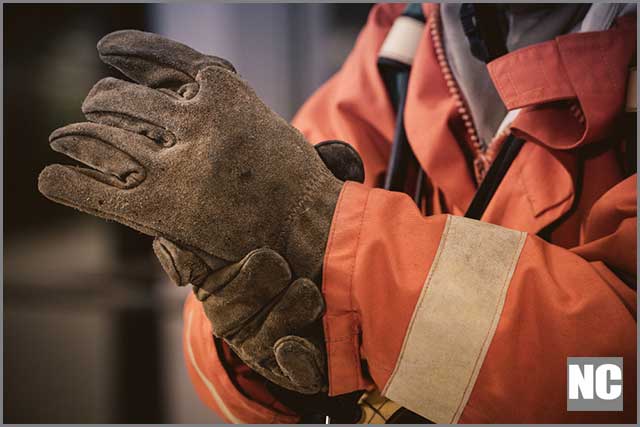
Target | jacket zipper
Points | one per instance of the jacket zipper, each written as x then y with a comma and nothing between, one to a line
483,154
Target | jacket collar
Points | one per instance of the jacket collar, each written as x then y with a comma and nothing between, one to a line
539,79
572,88
571,91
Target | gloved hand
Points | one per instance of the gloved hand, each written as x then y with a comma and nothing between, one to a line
191,155
254,305
270,320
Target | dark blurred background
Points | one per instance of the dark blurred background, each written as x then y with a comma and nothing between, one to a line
92,329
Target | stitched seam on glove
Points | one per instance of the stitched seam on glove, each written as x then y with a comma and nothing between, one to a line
312,187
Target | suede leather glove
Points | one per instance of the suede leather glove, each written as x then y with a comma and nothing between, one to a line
187,152
270,320
190,153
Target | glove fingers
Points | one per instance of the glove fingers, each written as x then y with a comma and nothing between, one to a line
181,265
109,165
155,136
301,362
91,142
153,60
86,190
232,300
111,185
301,305
133,103
294,314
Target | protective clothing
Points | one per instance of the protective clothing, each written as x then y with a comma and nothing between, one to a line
249,233
234,297
455,319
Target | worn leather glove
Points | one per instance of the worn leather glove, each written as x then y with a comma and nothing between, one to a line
191,155
269,320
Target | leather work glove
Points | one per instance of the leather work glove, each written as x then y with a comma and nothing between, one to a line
270,321
240,203
254,306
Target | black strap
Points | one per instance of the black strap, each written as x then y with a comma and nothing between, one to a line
396,78
630,126
630,129
510,149
414,10
401,153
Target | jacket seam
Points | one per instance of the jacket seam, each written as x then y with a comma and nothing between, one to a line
355,350
327,324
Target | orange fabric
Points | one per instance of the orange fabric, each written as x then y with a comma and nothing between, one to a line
435,129
566,297
609,232
557,70
555,293
558,305
366,226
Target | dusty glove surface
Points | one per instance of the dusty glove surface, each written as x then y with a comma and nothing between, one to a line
271,322
189,153
269,319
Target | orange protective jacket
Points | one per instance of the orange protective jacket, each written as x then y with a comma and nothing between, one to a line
455,319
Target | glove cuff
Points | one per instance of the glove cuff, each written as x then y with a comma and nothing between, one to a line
308,224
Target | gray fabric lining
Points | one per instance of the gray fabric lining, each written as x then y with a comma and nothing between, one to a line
486,107
602,15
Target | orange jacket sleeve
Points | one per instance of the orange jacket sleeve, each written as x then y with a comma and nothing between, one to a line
465,321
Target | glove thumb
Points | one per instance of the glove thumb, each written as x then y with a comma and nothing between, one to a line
301,362
342,160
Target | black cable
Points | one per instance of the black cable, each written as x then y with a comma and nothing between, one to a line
400,150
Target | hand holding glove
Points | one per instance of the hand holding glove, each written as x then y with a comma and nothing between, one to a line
240,202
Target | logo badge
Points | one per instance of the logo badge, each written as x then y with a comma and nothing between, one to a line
594,383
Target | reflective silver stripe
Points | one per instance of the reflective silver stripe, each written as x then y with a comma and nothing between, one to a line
455,319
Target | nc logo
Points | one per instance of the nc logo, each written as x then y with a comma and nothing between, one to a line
594,384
